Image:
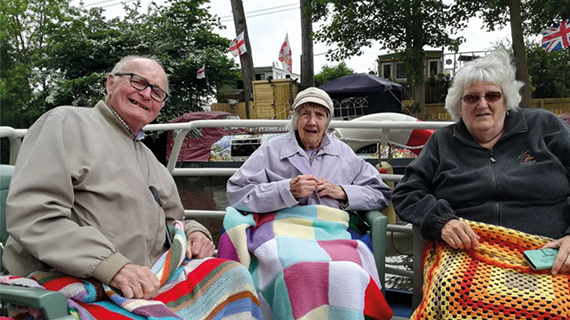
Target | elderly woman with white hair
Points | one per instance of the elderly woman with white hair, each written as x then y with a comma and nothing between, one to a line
291,226
307,166
498,164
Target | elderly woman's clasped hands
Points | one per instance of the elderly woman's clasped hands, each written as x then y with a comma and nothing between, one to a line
305,185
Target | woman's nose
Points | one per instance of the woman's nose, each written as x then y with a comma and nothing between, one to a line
482,103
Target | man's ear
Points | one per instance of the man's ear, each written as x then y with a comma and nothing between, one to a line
109,83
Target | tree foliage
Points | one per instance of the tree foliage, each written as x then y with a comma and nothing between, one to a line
549,72
333,72
537,14
55,54
25,77
405,26
355,25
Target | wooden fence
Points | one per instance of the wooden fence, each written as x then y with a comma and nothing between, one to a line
277,106
558,106
272,100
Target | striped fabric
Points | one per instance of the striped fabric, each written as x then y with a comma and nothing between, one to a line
493,282
190,289
304,264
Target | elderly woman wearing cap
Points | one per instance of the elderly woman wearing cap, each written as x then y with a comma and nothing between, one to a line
302,256
307,166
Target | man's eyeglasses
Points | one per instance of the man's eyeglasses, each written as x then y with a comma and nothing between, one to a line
141,83
489,96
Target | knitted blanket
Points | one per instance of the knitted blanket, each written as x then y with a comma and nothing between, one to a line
304,264
190,289
493,282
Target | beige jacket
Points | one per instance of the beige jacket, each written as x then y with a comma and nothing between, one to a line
79,199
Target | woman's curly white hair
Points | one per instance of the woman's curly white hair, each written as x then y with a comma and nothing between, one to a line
496,68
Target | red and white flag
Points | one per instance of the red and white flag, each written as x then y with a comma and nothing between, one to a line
237,45
285,56
201,73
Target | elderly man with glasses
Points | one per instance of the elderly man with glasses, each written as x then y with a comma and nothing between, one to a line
90,200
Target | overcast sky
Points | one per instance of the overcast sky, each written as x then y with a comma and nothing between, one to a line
269,21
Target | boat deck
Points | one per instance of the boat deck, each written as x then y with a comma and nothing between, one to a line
400,301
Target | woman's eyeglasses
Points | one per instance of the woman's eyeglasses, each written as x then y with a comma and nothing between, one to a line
489,96
141,83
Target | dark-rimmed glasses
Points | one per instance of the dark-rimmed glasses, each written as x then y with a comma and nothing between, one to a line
141,83
491,96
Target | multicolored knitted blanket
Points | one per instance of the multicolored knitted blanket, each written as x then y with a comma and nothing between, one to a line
493,282
304,264
196,289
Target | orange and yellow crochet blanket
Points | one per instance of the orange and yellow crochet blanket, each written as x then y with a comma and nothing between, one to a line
493,282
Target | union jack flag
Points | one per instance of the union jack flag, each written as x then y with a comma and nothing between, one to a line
557,36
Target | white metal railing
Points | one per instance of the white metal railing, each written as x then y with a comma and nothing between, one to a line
15,137
383,127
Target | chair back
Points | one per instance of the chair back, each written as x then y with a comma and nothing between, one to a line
6,172
418,268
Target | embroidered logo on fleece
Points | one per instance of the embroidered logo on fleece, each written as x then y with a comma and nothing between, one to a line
527,157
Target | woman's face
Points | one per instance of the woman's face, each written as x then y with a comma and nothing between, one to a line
311,124
483,110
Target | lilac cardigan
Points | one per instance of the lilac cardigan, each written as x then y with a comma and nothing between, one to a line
262,183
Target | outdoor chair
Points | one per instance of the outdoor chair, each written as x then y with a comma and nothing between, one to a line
53,304
417,294
378,223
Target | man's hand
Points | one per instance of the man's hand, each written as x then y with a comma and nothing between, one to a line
459,235
562,262
136,281
327,189
199,246
303,185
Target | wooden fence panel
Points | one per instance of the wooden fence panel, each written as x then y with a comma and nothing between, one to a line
558,106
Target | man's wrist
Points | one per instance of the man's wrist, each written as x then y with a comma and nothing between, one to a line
109,267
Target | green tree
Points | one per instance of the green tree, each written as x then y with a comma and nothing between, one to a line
526,17
68,64
27,27
55,54
183,39
405,26
333,72
549,72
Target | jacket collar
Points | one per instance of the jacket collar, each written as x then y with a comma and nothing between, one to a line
515,122
113,117
291,146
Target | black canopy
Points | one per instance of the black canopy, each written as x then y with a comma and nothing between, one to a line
359,94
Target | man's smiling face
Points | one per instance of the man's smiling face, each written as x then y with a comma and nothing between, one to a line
136,107
311,124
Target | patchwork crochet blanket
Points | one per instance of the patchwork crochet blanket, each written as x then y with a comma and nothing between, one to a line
304,264
493,282
190,289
